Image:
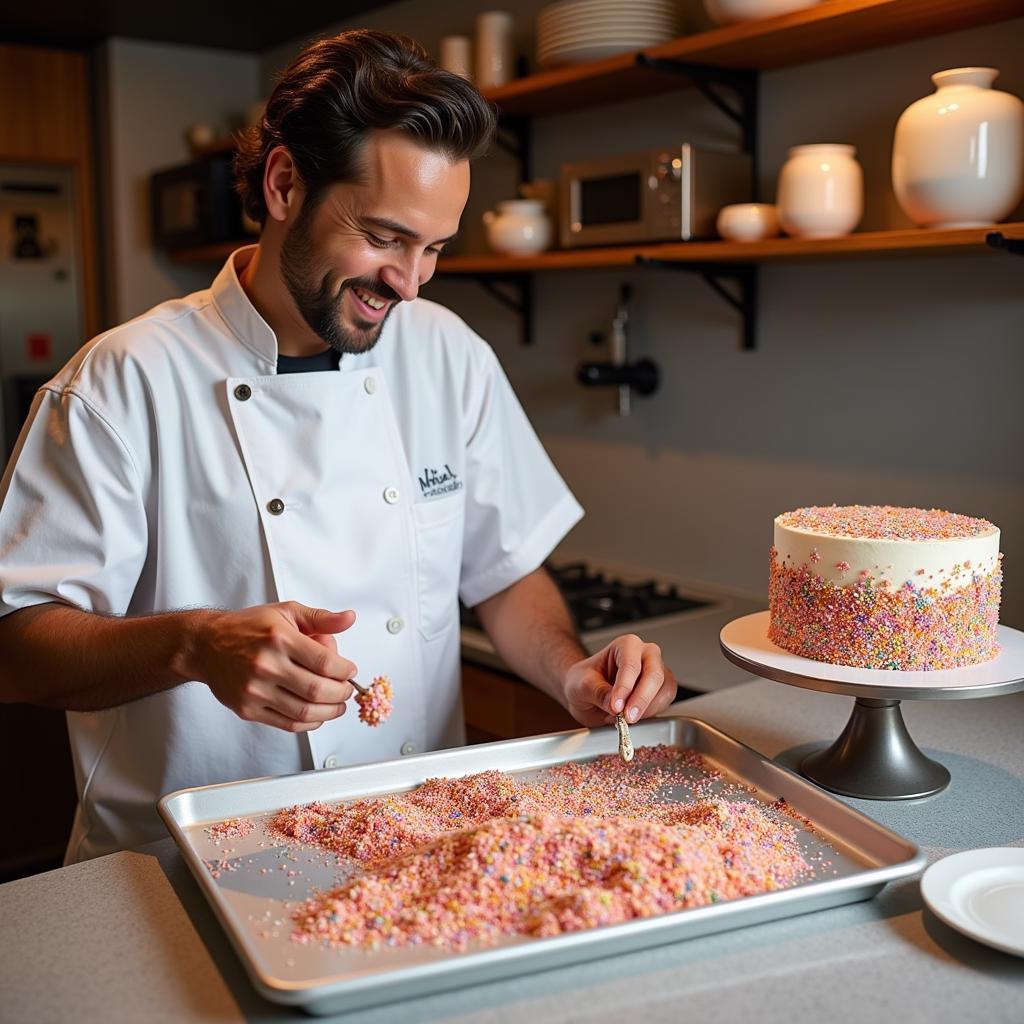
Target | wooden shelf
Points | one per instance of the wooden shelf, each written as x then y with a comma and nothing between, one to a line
908,241
829,29
904,242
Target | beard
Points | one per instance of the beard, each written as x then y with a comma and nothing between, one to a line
320,305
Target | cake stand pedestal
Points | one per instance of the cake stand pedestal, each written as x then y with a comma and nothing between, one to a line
875,757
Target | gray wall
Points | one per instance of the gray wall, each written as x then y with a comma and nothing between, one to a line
148,94
876,381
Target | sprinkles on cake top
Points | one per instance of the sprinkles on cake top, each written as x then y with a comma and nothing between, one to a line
885,522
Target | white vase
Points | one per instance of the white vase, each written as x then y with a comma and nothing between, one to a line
495,58
820,191
519,228
958,155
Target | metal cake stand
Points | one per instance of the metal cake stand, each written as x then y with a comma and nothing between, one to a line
874,757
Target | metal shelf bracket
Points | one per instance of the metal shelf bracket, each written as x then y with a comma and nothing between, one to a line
515,137
743,277
998,240
521,305
706,78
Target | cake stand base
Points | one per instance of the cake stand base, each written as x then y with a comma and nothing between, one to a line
875,758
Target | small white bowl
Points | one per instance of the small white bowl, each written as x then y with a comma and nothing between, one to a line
747,222
729,12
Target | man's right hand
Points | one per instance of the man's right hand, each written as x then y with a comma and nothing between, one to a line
276,663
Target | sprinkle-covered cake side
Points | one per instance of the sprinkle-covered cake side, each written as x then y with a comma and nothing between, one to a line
885,588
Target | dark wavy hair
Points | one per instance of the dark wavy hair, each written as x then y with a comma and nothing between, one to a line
339,89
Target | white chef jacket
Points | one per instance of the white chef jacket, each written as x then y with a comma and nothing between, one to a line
169,466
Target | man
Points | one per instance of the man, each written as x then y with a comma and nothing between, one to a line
189,524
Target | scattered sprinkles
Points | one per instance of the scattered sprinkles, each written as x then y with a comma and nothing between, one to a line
463,861
866,625
233,828
375,705
885,522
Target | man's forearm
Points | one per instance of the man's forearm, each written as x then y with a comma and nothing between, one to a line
531,629
62,657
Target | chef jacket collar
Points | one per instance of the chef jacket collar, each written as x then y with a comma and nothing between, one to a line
239,313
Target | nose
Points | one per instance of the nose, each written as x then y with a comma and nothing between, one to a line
406,275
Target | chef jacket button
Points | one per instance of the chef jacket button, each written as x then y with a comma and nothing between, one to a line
275,506
391,495
408,747
243,392
370,385
331,762
395,625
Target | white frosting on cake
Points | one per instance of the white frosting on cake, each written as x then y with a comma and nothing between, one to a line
953,560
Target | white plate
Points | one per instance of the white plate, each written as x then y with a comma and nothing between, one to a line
632,41
606,34
561,11
980,893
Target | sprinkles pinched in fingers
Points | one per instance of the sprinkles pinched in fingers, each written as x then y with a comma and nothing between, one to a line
376,701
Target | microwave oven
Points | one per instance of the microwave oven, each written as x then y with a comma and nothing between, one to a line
658,195
196,204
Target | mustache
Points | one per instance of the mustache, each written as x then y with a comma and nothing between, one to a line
385,291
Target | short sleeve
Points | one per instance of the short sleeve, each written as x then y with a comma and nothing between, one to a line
72,519
517,505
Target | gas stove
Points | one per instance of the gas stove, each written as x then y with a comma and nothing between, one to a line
598,602
684,617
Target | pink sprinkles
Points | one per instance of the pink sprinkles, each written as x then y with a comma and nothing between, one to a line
376,704
233,828
461,861
870,626
885,522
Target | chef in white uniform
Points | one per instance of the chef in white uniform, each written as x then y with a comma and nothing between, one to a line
199,545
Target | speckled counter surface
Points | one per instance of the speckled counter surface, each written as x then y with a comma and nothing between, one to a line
130,937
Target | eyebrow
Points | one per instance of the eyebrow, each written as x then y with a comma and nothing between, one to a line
401,229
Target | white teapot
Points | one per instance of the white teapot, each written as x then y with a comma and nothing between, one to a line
519,228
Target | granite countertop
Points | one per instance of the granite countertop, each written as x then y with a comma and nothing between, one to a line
130,937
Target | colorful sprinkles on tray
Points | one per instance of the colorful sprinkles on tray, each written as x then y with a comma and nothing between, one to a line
885,522
232,828
461,861
375,705
867,625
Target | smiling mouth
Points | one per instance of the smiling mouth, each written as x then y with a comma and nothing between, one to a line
369,299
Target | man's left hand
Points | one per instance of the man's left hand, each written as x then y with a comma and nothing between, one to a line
626,676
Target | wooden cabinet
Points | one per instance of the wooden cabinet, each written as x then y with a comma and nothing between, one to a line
45,117
500,706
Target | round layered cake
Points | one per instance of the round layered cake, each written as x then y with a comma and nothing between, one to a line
874,586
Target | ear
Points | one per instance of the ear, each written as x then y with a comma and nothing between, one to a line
282,189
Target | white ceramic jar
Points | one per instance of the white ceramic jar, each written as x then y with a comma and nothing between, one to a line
457,56
820,191
958,155
747,222
519,228
495,59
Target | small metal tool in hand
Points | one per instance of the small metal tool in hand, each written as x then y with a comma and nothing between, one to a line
625,743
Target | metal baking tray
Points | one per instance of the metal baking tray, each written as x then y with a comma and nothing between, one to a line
259,882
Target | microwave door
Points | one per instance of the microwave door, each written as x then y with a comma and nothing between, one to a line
606,208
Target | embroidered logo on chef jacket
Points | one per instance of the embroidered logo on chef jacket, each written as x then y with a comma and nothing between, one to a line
436,483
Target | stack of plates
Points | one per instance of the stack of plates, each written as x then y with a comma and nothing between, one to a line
575,31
